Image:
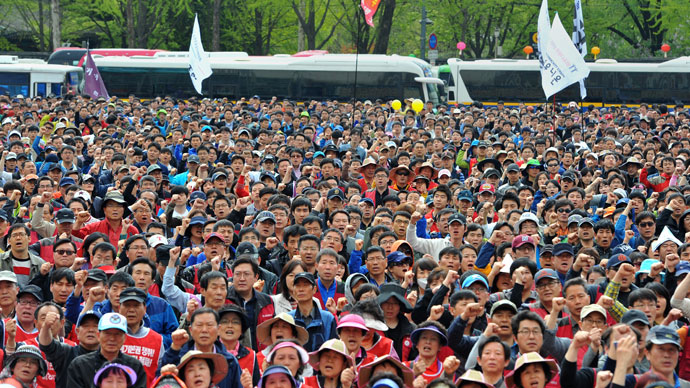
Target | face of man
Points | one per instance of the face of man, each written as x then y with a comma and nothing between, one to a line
576,298
134,312
332,240
113,211
143,276
215,293
604,236
493,358
308,250
376,263
214,247
244,278
64,255
303,290
529,336
87,332
664,358
563,262
204,330
61,290
327,267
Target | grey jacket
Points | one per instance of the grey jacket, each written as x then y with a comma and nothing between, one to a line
36,262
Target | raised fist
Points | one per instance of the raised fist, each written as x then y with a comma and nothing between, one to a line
179,338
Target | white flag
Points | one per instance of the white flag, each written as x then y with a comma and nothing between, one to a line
199,66
543,30
579,39
562,63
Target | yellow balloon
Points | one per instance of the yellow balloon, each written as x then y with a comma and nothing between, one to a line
417,105
396,104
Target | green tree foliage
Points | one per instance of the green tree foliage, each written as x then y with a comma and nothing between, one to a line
621,28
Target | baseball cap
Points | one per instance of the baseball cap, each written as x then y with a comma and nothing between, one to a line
133,293
157,240
8,276
592,308
86,314
83,194
218,175
661,335
682,268
197,195
487,187
523,239
444,172
112,321
545,273
306,276
32,290
503,304
265,216
457,217
115,196
246,249
465,195
631,316
335,193
615,261
398,257
214,235
574,219
585,220
97,275
66,181
568,175
367,200
65,215
513,167
474,278
152,168
562,248
193,159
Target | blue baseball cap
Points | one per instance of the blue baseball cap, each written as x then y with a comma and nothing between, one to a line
470,280
465,195
87,314
617,260
545,273
66,181
367,200
112,321
661,335
682,268
398,257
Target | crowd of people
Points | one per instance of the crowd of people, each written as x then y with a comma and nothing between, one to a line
273,244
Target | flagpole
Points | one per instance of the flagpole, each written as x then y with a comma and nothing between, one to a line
354,89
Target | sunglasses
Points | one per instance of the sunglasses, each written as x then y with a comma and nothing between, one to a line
403,173
564,210
646,224
533,167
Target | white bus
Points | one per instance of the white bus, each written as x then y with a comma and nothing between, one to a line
609,83
300,78
31,79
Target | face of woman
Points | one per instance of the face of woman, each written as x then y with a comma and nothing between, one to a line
429,344
331,364
287,357
26,369
533,376
280,330
197,374
115,379
290,278
277,380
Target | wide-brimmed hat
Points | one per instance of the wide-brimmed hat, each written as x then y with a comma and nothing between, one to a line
303,355
631,161
368,161
394,171
493,163
335,345
277,369
220,364
434,171
530,358
473,376
28,351
129,372
418,332
263,331
392,290
366,370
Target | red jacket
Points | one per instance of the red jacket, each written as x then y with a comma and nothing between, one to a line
658,187
104,227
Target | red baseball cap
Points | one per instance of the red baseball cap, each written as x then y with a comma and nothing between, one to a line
487,187
521,240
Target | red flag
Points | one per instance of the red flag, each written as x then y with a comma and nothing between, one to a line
369,7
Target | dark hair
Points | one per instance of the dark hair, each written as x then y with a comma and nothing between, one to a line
641,294
204,310
287,269
64,241
208,276
527,315
246,260
495,339
660,291
142,260
106,247
364,288
122,277
574,282
49,303
604,224
62,273
90,239
524,262
461,295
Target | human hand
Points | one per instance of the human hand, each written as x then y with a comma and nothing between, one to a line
45,268
472,310
606,302
557,305
604,379
450,365
179,338
436,312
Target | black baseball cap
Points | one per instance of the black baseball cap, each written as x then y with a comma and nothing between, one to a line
133,293
305,275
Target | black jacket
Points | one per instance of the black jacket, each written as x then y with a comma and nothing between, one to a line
61,355
82,369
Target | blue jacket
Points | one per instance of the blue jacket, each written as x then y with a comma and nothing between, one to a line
231,380
160,316
320,329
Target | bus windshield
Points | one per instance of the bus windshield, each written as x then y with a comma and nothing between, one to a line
14,83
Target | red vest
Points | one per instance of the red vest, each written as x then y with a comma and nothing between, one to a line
383,347
147,349
49,380
247,362
311,382
434,371
22,336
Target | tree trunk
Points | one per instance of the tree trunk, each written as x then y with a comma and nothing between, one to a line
215,44
141,35
385,25
129,15
55,23
42,34
300,31
258,32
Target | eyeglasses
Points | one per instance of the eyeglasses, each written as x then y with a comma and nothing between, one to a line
28,302
595,322
478,290
644,305
19,235
64,252
564,210
646,224
545,285
403,173
533,167
526,332
399,263
230,322
376,258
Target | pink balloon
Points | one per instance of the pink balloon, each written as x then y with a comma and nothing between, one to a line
461,46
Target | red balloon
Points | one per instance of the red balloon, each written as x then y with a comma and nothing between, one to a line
665,48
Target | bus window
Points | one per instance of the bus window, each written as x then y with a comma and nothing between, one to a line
14,83
40,89
56,89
